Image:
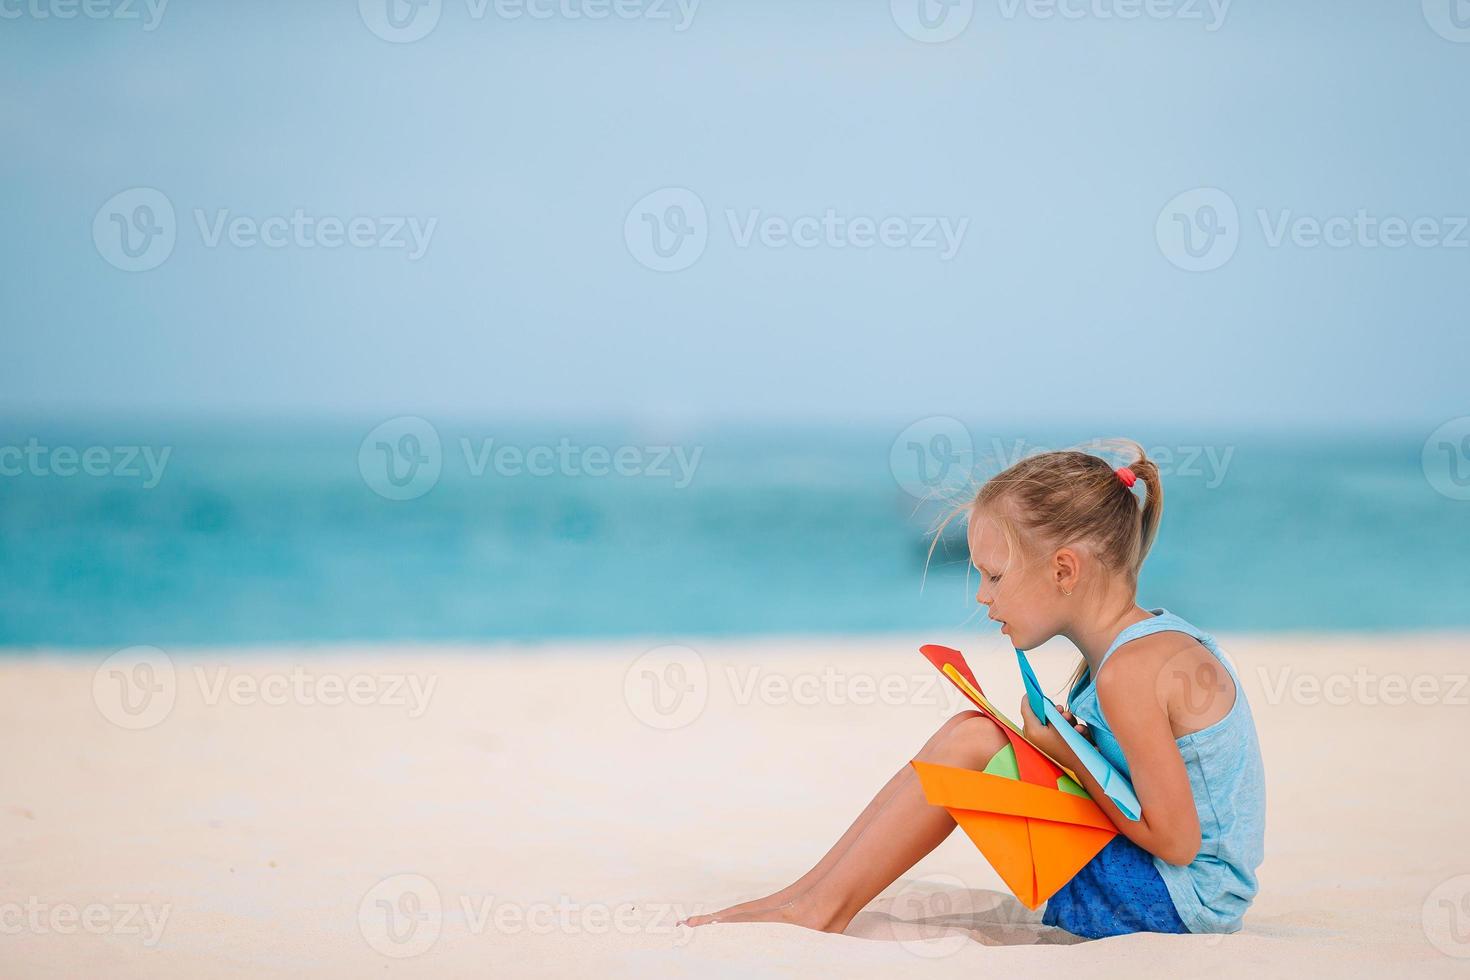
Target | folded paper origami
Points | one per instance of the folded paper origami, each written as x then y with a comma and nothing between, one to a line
1026,813
1113,782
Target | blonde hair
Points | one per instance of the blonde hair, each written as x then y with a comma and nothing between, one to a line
1051,499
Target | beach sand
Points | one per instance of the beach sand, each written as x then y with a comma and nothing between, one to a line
551,811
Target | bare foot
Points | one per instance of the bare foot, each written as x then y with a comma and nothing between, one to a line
724,915
791,912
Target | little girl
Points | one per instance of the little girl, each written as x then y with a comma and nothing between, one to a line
1058,540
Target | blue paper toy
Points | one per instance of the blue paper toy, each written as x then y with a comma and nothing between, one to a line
1111,780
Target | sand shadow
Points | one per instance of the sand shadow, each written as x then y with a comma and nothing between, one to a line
923,910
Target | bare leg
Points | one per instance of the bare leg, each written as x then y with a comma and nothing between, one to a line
843,843
903,828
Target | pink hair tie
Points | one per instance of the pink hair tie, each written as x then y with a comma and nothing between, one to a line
1127,476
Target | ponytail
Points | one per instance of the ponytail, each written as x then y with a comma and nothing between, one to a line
1152,510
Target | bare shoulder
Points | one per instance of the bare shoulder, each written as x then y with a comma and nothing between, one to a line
1143,658
1188,682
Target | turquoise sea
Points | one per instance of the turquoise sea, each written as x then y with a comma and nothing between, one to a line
267,532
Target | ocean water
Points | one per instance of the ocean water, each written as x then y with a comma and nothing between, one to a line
267,532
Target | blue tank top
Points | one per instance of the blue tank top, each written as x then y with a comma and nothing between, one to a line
1226,776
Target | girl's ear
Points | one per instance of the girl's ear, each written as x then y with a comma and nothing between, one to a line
1066,569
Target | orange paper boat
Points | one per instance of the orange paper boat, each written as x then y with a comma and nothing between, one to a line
1033,822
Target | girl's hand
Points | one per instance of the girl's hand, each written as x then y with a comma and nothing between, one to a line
1081,726
1046,737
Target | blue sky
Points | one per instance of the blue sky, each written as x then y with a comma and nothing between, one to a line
1056,143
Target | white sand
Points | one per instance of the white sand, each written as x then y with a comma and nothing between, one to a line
558,834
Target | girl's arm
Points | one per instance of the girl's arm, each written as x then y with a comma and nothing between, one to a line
1134,700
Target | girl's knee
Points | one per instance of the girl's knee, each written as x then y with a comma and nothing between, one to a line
958,719
943,731
967,739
